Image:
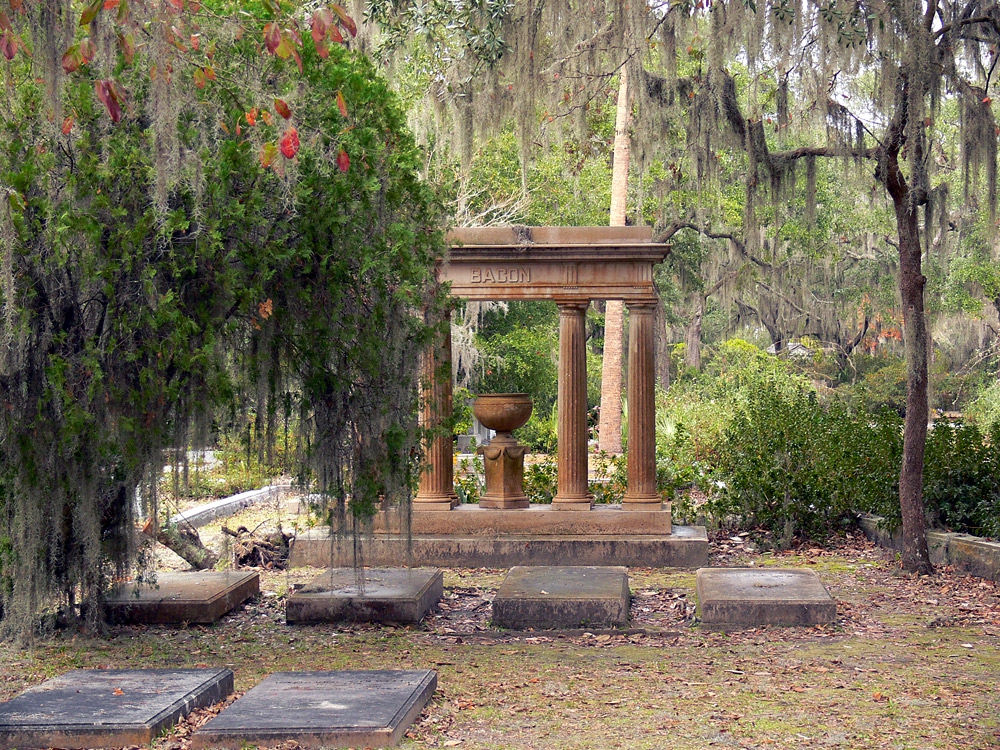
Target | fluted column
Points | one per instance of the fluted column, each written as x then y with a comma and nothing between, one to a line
641,493
572,492
437,477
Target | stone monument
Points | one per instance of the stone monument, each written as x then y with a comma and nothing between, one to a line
503,458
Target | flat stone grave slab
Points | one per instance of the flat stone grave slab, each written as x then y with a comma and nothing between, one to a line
390,595
752,597
322,709
562,597
108,707
197,597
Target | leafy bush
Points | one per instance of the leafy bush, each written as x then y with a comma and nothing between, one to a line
790,466
541,479
962,478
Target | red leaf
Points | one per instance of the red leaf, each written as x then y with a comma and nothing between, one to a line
268,153
8,45
87,49
179,4
336,36
127,44
272,37
90,12
67,125
322,20
252,117
199,78
108,93
195,42
322,50
5,22
266,117
72,59
209,72
345,20
343,161
290,143
17,5
109,4
282,108
341,104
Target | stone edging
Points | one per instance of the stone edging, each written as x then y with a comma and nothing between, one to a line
227,506
964,552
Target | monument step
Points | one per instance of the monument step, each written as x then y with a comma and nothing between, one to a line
469,519
387,595
730,598
562,597
685,547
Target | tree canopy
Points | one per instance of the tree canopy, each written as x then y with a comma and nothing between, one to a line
193,228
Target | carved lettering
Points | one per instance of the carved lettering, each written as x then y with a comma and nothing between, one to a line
513,275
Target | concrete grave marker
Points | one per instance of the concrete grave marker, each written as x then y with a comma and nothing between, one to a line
390,595
322,709
562,597
197,597
108,707
751,597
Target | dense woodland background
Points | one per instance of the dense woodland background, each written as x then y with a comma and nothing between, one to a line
217,229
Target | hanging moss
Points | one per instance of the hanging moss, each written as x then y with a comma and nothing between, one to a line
156,274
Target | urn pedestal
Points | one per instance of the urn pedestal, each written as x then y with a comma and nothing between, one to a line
503,458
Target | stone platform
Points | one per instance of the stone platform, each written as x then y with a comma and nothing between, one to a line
389,596
684,547
108,707
562,597
730,598
322,709
196,597
469,519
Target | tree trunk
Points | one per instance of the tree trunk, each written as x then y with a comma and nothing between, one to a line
916,557
692,335
662,345
610,426
186,543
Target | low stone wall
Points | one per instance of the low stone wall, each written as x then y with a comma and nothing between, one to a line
227,506
964,552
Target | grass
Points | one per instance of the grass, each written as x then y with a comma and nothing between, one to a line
911,663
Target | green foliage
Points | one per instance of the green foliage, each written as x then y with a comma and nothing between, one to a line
541,478
285,293
962,478
790,466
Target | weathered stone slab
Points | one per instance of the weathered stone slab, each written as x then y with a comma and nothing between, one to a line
390,595
108,707
970,554
685,547
471,519
562,597
197,597
322,709
752,597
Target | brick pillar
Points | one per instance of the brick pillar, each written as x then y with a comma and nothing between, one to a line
572,492
437,477
641,493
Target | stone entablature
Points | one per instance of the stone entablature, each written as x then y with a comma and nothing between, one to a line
555,263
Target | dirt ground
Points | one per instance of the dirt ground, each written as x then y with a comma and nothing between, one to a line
910,663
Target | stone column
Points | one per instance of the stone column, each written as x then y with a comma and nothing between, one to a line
572,492
641,493
437,476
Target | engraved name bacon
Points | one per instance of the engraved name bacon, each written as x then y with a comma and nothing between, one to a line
500,275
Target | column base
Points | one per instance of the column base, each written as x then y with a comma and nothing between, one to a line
503,503
573,503
644,502
432,503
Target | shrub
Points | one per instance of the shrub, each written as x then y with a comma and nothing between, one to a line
962,478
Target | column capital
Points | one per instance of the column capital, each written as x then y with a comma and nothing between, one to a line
642,304
572,304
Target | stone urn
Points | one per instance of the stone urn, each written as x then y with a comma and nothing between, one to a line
503,458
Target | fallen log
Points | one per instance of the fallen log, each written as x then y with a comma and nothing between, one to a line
185,542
